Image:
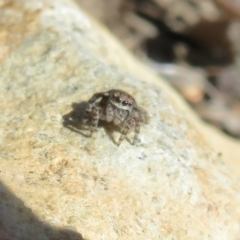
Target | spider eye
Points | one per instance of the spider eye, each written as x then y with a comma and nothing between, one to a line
118,99
124,103
129,104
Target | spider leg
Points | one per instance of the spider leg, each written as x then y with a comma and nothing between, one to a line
136,130
143,115
96,96
94,119
130,124
87,114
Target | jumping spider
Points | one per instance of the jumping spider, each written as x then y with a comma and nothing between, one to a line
117,107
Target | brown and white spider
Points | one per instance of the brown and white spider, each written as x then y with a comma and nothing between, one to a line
117,107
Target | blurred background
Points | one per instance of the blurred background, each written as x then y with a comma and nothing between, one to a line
194,44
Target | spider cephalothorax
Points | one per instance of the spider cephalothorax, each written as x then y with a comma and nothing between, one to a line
117,107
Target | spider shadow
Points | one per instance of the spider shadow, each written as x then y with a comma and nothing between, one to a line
74,122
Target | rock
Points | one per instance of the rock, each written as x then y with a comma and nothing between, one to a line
59,184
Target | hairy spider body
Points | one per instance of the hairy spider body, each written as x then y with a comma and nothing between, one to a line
117,107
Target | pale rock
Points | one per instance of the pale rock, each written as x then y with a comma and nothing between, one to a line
170,185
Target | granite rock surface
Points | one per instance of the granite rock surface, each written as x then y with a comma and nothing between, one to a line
56,183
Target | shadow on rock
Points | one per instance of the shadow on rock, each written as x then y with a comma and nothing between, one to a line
74,122
74,119
18,222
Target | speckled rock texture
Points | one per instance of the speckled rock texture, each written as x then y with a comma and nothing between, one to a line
59,184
